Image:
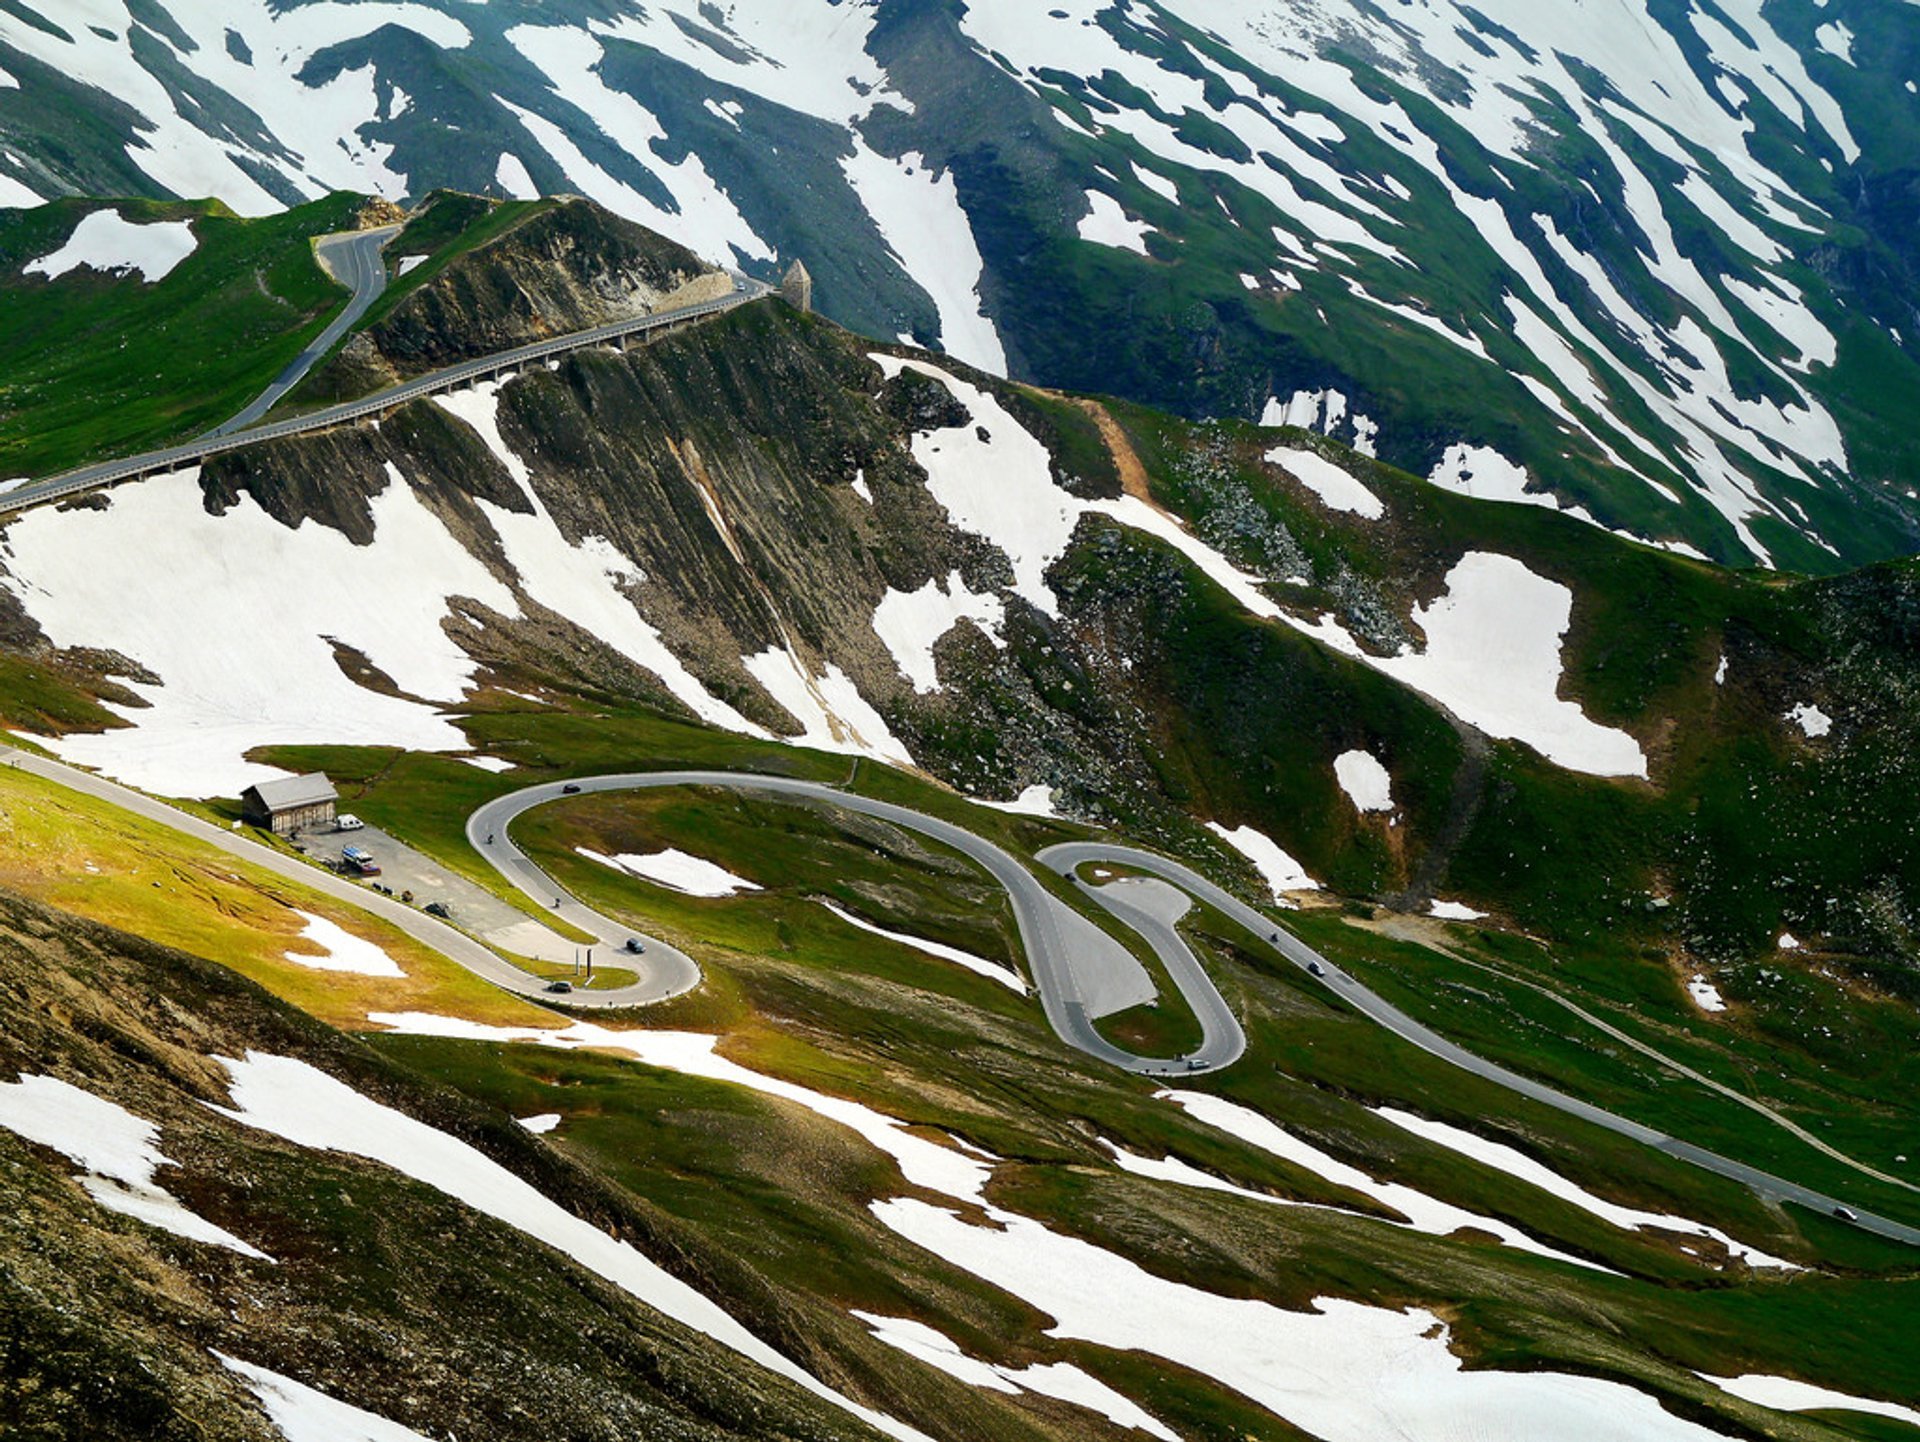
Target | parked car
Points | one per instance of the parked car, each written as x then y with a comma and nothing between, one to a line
569,790
439,909
347,821
560,986
635,945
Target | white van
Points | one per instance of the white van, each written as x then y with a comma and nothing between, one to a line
348,822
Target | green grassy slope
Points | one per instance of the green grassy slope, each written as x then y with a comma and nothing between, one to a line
93,366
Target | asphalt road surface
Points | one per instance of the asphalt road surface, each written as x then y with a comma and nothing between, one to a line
1046,923
172,458
1064,858
666,971
353,258
450,942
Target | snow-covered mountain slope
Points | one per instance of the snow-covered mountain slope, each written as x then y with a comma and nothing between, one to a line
1650,263
1257,648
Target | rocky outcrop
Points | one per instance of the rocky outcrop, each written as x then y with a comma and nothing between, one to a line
568,266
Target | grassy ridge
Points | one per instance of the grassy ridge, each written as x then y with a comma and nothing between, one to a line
93,366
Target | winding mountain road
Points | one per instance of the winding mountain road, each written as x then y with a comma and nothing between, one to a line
354,259
1048,926
1065,857
173,458
1045,923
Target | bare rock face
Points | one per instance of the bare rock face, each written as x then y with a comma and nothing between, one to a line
378,211
567,267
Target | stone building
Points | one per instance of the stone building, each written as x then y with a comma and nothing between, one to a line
797,287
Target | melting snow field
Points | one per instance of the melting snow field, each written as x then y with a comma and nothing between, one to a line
1423,1213
1342,1371
1345,1370
104,240
1453,911
341,950
1365,780
1787,1394
979,964
541,1124
1519,1165
910,622
1337,490
305,1415
290,1099
676,870
256,666
1060,1380
1279,870
117,1149
1493,658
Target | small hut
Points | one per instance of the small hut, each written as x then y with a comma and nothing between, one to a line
295,803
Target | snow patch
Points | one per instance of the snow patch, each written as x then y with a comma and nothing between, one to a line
1279,870
1338,1369
1789,1394
923,1162
1811,720
305,1415
1108,223
1836,39
541,1124
1493,658
1486,475
291,1099
588,581
1705,994
257,665
488,763
1423,1213
1519,1165
1061,1380
341,950
921,219
1453,911
832,713
1337,490
910,622
118,1150
979,965
675,870
1034,800
512,177
106,241
1366,782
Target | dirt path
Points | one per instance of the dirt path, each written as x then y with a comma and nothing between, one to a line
1133,475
